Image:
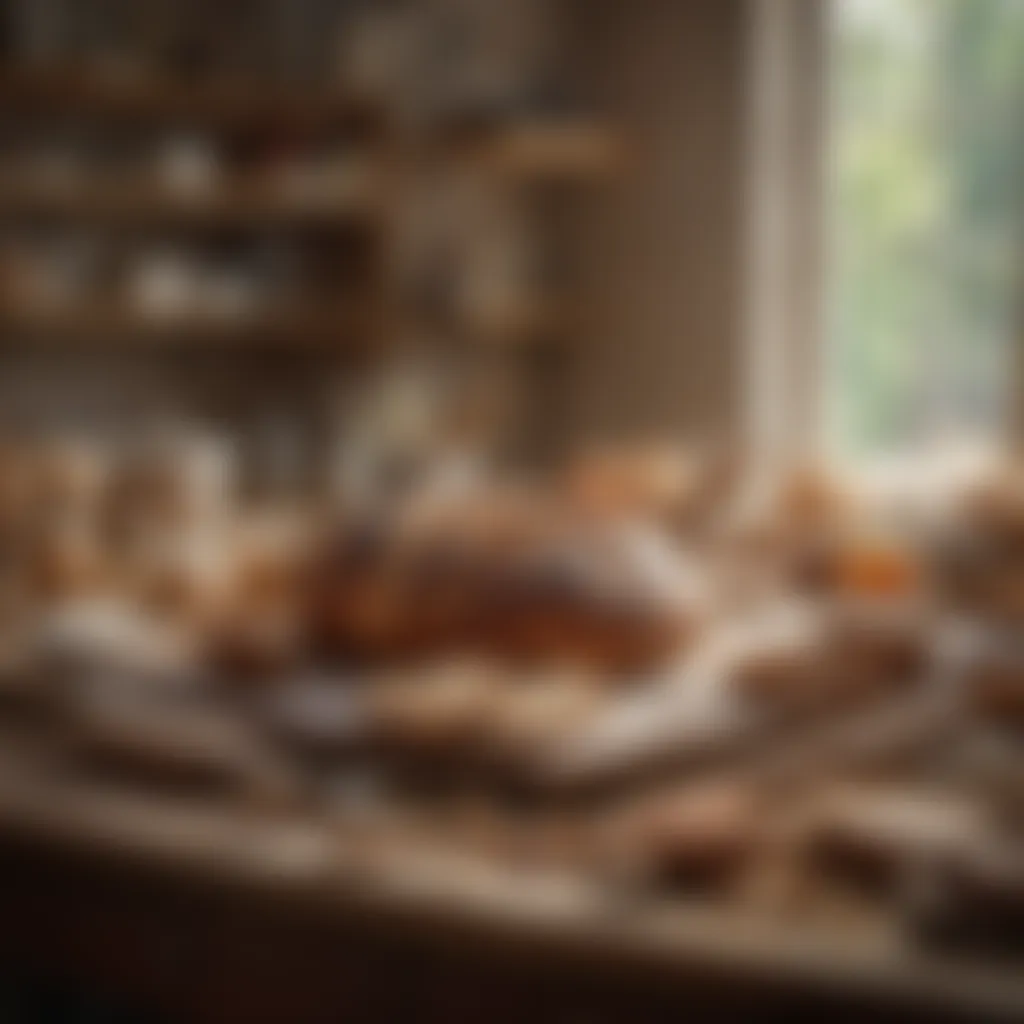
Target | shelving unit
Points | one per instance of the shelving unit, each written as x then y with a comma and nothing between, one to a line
253,206
265,134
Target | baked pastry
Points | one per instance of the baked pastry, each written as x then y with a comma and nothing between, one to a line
995,682
508,575
698,839
830,563
258,644
355,605
89,639
68,480
878,838
618,599
176,748
63,561
995,508
979,552
532,716
655,482
441,711
832,657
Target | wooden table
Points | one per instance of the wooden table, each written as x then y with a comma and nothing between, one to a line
207,914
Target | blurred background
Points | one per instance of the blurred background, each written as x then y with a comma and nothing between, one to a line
925,153
511,509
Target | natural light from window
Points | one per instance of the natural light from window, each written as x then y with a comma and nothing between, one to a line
925,211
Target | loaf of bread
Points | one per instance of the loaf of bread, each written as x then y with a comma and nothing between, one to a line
517,579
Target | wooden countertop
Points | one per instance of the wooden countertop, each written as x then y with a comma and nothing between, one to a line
314,874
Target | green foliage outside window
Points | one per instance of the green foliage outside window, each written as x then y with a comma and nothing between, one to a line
925,214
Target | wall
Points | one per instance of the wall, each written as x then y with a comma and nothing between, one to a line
662,246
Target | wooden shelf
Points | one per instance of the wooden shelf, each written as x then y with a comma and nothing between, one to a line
524,150
152,206
217,102
573,151
570,150
96,323
529,322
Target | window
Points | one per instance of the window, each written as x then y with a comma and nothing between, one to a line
925,212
